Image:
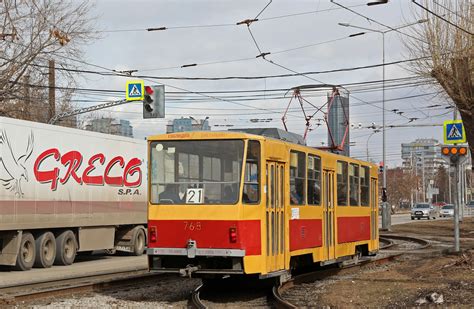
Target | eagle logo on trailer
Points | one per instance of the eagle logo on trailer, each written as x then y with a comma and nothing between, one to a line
12,167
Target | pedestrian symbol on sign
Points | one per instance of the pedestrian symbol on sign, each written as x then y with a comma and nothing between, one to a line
454,132
134,91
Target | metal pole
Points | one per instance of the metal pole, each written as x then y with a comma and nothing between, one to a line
456,208
386,213
464,188
423,190
449,183
367,146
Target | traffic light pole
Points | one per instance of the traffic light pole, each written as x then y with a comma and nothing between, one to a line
86,110
456,207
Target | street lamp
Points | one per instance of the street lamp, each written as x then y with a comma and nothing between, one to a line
385,212
367,144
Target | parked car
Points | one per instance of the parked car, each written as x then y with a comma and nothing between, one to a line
423,210
447,211
470,204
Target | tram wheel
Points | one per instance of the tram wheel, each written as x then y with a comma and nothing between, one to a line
45,250
66,248
26,253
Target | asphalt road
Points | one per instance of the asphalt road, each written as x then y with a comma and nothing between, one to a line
406,218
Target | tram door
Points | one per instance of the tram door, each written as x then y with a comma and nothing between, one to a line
275,216
373,209
328,215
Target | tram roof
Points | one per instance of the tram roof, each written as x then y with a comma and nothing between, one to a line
209,135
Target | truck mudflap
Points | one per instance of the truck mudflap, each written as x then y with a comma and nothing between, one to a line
9,246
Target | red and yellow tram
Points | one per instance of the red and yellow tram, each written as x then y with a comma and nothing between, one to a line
229,203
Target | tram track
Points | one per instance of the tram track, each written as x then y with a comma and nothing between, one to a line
278,291
22,293
278,301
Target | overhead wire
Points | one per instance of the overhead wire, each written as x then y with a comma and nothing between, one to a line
442,18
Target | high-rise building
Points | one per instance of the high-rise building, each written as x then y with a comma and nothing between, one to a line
422,156
338,121
187,124
110,126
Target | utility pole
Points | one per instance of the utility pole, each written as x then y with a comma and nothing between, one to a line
52,90
456,208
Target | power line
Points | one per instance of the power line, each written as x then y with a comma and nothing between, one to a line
377,22
442,18
221,25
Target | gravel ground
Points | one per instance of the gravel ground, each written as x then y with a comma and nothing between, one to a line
167,293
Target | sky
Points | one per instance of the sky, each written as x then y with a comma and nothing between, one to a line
301,36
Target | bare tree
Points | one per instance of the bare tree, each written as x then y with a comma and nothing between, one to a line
401,184
441,182
444,46
33,32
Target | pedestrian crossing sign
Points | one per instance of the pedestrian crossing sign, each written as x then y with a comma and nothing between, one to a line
454,132
134,91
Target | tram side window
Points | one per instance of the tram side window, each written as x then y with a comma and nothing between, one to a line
364,185
297,177
354,184
251,194
342,187
314,180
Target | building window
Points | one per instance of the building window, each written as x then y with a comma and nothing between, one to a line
354,184
342,187
314,180
297,178
364,185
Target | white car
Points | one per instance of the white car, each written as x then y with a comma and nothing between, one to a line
447,211
423,210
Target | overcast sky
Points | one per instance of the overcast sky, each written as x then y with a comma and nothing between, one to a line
162,53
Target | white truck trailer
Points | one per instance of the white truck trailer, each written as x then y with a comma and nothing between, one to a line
64,191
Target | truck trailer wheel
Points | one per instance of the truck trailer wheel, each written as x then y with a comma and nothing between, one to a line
66,248
27,252
45,250
139,242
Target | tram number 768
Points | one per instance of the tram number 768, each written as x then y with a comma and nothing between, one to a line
192,226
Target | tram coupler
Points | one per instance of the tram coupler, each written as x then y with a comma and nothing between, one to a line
187,272
191,248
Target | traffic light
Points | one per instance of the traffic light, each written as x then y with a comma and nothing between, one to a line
154,102
454,152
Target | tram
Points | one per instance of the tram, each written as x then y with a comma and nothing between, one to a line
231,203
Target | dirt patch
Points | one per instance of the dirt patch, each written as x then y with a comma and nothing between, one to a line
413,278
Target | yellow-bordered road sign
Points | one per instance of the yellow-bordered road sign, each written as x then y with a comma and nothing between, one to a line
135,90
454,132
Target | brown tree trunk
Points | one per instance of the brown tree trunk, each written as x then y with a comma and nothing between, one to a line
468,122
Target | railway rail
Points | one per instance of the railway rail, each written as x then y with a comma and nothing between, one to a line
47,289
275,297
278,291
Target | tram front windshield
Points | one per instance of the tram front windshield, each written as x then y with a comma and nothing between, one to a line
196,172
